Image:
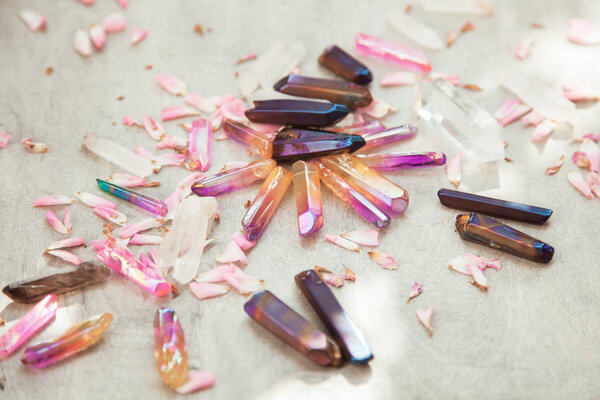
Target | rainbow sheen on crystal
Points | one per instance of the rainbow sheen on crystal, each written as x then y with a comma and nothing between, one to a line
169,348
155,206
76,339
388,136
200,144
293,144
403,56
307,191
343,64
296,112
257,142
403,160
233,179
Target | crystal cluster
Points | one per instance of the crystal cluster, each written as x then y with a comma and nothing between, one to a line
155,206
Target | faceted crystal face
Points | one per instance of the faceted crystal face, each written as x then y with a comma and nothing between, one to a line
360,128
347,335
485,230
495,207
169,348
293,144
388,136
200,144
256,141
75,340
349,94
262,209
344,65
283,322
155,206
392,52
233,179
401,160
307,191
297,112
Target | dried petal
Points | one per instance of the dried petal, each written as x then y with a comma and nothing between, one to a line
576,93
118,155
399,79
206,290
111,215
340,241
34,20
415,290
242,241
584,32
114,22
153,128
176,112
4,139
172,142
91,200
170,159
56,223
368,238
241,281
461,263
131,181
140,239
349,275
52,200
534,118
34,147
377,109
417,31
543,130
580,159
385,260
578,183
426,317
200,103
472,87
197,380
66,256
98,36
510,111
592,151
137,35
556,167
453,169
479,279
67,220
334,279
171,84
132,229
593,181
87,2
70,242
524,48
233,253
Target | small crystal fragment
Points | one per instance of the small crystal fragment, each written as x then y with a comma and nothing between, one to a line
296,112
233,179
34,147
351,340
283,322
403,56
155,206
487,231
344,65
292,144
265,203
76,339
402,160
257,142
169,348
118,155
307,190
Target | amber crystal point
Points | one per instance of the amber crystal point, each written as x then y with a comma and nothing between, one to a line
343,64
307,191
169,348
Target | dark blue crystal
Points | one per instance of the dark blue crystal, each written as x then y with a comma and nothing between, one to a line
297,112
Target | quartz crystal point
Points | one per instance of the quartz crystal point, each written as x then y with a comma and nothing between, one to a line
344,65
265,203
283,322
78,338
487,231
360,128
256,141
233,179
200,145
155,206
293,144
347,193
388,136
403,56
33,290
495,207
401,160
378,189
351,340
307,191
296,112
118,155
124,262
169,348
36,318
349,94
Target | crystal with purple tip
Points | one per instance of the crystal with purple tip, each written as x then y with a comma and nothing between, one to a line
296,112
155,206
293,144
344,65
403,160
233,179
389,136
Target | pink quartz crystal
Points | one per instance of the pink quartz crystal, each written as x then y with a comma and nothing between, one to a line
200,144
393,52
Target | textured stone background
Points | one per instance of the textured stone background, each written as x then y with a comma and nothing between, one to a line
534,334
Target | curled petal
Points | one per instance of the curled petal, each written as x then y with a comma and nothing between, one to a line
247,57
533,118
233,253
140,239
349,275
556,167
197,380
335,279
111,215
368,238
82,43
172,142
70,242
426,318
242,241
153,128
593,181
415,290
98,36
176,112
524,48
66,256
129,121
461,263
377,109
234,110
132,229
56,223
52,200
479,279
399,79
200,103
34,20
242,282
583,32
580,159
67,220
206,290
543,130
340,241
385,260
137,35
114,22
453,170
4,139
171,84
129,181
91,200
592,151
34,147
510,111
576,93
578,183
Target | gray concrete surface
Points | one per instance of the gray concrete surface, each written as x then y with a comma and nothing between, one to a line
534,334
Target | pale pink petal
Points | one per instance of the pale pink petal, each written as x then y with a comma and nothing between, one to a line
592,151
171,84
576,93
349,275
131,229
67,220
461,263
233,253
583,32
111,215
66,256
52,200
385,260
580,159
197,380
479,279
71,242
595,137
234,110
185,186
556,167
137,35
578,183
4,139
399,79
524,48
176,112
543,130
215,275
91,200
247,57
172,142
153,128
415,290
130,181
511,111
98,36
242,241
593,181
200,103
377,109
82,43
122,4
34,20
56,223
171,159
216,120
98,244
87,2
144,152
426,318
114,22
140,239
129,121
206,290
369,238
340,241
453,169
533,118
241,281
218,101
335,279
234,165
452,79
34,147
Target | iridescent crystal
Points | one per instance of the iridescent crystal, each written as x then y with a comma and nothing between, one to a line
233,179
76,339
344,65
148,203
279,319
256,141
265,203
296,112
347,193
359,128
308,197
35,319
32,290
200,144
378,189
404,56
293,144
349,94
388,136
402,160
169,348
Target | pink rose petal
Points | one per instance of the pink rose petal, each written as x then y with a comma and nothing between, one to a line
592,151
114,22
176,112
52,200
584,32
137,35
206,290
122,4
241,281
556,167
200,103
426,318
543,130
461,263
247,57
215,275
82,43
91,200
335,279
218,101
172,142
524,48
139,239
580,159
129,121
130,181
340,241
55,223
595,137
242,241
368,238
98,36
153,128
578,183
70,242
4,139
349,275
479,279
510,111
34,20
111,215
234,110
131,229
233,253
34,147
67,220
453,169
415,290
593,181
576,93
87,2
197,380
533,118
377,109
171,84
399,79
66,256
385,260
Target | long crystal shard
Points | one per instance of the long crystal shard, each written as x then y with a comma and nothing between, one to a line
169,348
495,207
124,262
401,160
233,179
200,145
33,290
359,128
487,231
388,136
256,141
265,203
398,54
279,319
76,339
344,65
379,190
349,94
118,155
307,191
295,144
296,112
347,193
347,335
155,206
35,319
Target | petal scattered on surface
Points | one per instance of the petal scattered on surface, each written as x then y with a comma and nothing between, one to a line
206,290
197,380
34,20
349,275
67,220
172,142
592,151
575,92
462,262
242,241
524,48
247,57
580,159
335,279
137,35
52,200
578,183
340,241
584,32
242,282
98,36
450,38
556,167
215,275
171,84
129,121
533,118
453,169
479,279
66,256
153,128
233,253
70,242
510,111
114,22
234,110
176,112
595,137
91,200
111,215
399,79
426,318
200,103
377,109
543,130
131,181
593,181
131,229
385,260
415,290
56,223
34,147
140,239
368,238
4,139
